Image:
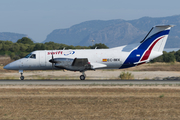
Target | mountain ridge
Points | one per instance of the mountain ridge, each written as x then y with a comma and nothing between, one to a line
116,32
11,36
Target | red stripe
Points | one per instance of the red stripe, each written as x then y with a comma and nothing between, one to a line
148,52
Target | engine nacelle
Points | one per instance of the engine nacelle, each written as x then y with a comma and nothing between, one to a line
71,64
63,61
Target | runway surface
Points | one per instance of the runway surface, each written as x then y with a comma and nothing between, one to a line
85,82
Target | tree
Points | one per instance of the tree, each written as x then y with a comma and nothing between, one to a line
168,57
23,48
12,55
5,47
25,40
177,55
0,46
30,48
15,47
99,46
158,59
22,54
8,42
43,47
37,46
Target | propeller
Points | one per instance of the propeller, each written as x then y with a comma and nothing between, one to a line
52,61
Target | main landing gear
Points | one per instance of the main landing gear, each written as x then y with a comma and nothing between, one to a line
83,76
21,77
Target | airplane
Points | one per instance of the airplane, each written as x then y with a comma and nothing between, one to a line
91,59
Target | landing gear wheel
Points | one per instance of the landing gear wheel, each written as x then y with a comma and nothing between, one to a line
21,72
82,77
22,78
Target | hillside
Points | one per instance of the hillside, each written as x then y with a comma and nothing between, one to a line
115,32
11,36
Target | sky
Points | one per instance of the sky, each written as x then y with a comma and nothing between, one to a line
38,18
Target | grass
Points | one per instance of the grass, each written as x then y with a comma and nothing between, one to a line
108,69
126,75
146,78
89,103
157,67
161,96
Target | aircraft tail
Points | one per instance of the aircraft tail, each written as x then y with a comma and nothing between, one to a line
155,40
151,46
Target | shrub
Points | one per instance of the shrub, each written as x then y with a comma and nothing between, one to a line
126,75
161,96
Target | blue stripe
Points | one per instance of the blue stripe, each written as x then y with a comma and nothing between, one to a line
132,58
149,41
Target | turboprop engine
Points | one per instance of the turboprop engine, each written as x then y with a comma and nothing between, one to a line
71,64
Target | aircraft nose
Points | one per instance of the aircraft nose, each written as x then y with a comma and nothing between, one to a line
7,67
11,66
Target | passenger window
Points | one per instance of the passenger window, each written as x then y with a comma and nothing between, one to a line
33,56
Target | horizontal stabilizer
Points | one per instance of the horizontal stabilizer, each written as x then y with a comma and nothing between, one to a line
156,29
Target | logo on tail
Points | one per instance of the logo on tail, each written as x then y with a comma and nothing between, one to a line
156,39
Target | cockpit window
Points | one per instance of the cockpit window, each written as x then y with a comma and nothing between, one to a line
33,56
27,56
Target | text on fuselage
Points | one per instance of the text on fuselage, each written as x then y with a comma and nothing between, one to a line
55,53
111,60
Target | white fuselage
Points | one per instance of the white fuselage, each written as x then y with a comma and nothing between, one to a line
112,58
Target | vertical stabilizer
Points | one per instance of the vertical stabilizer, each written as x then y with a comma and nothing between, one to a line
156,39
154,42
151,46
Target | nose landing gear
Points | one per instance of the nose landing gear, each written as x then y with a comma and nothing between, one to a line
21,77
83,76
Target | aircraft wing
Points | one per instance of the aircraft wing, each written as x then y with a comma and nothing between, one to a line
84,62
80,62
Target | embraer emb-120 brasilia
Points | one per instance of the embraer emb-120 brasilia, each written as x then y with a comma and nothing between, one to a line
91,59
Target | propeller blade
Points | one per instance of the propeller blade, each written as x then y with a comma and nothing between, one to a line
52,56
52,60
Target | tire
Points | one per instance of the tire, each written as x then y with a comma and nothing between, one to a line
82,77
22,78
